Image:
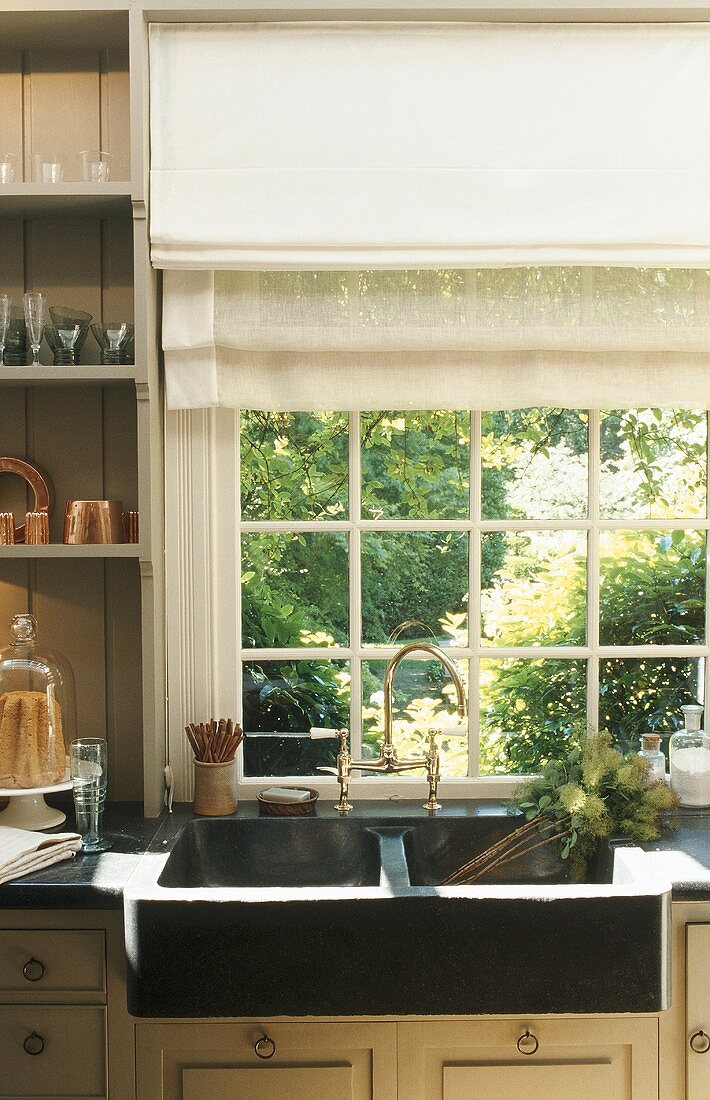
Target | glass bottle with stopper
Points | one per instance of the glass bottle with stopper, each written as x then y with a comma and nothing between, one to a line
651,753
690,760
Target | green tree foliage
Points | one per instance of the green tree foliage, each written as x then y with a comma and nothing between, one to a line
415,465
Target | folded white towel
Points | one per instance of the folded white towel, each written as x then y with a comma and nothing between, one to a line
22,851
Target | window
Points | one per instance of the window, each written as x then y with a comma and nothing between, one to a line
558,555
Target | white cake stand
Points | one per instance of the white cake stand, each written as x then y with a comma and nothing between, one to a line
28,809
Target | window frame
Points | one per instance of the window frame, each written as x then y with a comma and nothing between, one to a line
473,785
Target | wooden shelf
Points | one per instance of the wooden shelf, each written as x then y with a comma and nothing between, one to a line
64,199
52,23
69,376
59,550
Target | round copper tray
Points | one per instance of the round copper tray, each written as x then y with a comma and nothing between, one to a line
34,479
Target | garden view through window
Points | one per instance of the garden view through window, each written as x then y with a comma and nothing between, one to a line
559,556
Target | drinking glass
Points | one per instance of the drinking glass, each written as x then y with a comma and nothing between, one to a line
34,317
88,761
16,340
8,168
67,335
5,305
95,166
114,339
47,168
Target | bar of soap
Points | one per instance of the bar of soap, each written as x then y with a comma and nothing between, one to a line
284,794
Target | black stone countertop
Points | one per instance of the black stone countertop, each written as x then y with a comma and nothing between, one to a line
88,881
97,881
683,856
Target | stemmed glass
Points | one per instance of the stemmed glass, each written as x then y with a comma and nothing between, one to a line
34,318
5,304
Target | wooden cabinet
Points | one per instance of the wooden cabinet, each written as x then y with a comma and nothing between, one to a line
697,1020
64,1024
571,1059
52,1012
72,79
577,1059
327,1061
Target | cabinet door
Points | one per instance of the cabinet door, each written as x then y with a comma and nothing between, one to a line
576,1059
56,1051
188,1061
697,1011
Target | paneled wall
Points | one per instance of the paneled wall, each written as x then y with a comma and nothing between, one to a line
89,609
79,262
63,101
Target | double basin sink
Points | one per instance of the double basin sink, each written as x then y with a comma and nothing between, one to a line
332,916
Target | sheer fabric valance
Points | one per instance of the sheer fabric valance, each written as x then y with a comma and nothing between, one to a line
346,146
449,338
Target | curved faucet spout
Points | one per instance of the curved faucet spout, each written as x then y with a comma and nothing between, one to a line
393,665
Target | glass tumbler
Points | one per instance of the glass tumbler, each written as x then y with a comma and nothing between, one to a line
88,760
5,308
15,354
8,168
47,168
95,166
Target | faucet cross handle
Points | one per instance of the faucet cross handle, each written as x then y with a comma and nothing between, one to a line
344,763
318,732
433,771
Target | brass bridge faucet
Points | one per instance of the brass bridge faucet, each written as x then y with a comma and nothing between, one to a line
388,761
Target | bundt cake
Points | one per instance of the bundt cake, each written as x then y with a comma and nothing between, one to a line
32,752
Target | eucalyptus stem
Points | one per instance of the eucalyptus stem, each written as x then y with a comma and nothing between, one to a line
512,847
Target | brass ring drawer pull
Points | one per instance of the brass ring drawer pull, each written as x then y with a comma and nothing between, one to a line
265,1047
34,1043
700,1042
33,970
527,1043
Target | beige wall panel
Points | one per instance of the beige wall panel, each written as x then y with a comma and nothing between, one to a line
124,710
120,445
115,110
11,106
117,269
69,605
14,599
12,260
67,443
63,106
63,261
14,496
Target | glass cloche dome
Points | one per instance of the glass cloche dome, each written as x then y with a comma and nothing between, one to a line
37,710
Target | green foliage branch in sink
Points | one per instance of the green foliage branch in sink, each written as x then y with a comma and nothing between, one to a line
594,792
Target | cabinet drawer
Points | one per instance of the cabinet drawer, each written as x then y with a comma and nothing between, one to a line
71,1059
51,965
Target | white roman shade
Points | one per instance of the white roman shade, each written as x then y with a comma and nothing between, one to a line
447,338
432,215
400,145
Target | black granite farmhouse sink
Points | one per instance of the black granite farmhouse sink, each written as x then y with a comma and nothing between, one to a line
273,852
330,916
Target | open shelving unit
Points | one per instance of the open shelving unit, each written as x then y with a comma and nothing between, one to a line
71,78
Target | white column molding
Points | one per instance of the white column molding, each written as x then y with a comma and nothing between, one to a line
201,576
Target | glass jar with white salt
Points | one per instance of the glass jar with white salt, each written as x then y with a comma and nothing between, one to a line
690,760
